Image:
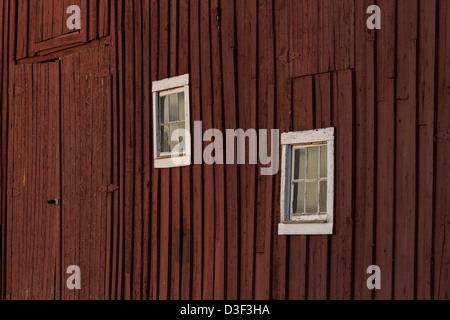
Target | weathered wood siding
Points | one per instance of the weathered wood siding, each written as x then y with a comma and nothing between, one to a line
210,232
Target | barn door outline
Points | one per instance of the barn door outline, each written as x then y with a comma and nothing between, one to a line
82,219
33,225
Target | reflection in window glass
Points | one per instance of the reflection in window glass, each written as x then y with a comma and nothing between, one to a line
164,110
172,117
181,110
164,134
323,197
311,197
313,163
309,180
298,204
323,162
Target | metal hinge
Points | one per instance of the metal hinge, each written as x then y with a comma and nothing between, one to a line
13,193
289,56
444,135
109,189
16,90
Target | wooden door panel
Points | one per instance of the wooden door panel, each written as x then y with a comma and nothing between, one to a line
86,167
34,230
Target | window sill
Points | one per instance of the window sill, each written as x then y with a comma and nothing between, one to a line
305,229
172,162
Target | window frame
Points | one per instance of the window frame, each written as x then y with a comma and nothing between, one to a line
289,142
166,87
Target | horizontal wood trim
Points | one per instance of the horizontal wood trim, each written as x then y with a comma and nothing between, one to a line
64,52
305,229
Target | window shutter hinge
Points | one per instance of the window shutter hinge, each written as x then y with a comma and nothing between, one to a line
289,56
13,193
109,189
444,135
16,90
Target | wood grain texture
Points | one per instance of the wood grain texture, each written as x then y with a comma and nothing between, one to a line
385,151
442,216
210,231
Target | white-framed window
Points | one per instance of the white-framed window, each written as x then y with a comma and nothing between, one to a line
307,182
171,119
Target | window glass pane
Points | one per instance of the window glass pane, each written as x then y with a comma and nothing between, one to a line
181,106
164,109
164,138
173,105
323,196
323,162
182,136
173,127
311,196
298,200
299,164
313,163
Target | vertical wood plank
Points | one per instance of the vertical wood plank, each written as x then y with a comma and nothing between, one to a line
92,19
365,151
266,120
115,165
175,199
197,174
18,188
121,99
442,217
129,147
385,149
3,149
165,193
283,122
32,29
39,24
406,132
39,285
147,152
154,255
54,177
344,34
208,171
47,20
22,29
29,174
8,78
66,4
326,60
342,241
83,180
230,121
426,147
59,15
104,19
138,214
219,169
246,20
108,169
186,172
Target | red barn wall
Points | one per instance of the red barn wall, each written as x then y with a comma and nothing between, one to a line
210,232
